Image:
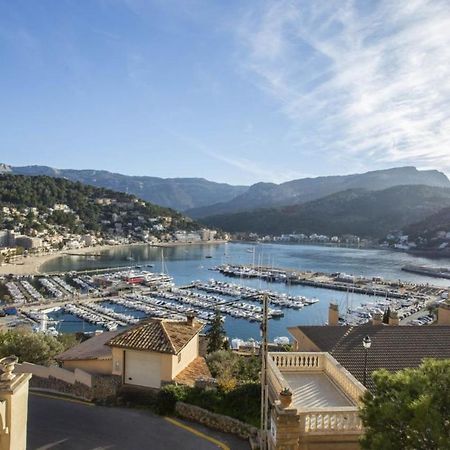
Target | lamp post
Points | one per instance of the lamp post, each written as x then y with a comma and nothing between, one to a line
366,344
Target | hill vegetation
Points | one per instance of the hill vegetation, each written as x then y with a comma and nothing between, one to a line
202,198
36,203
356,211
177,193
265,195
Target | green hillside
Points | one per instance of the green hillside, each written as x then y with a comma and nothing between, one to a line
88,208
356,211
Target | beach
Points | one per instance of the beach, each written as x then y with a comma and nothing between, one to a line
31,264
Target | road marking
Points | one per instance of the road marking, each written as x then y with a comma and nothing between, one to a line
57,397
197,433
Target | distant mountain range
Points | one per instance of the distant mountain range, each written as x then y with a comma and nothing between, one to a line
176,193
264,195
355,211
201,198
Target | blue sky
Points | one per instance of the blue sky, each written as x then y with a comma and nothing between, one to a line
233,91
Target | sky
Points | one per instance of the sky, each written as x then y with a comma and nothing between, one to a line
232,91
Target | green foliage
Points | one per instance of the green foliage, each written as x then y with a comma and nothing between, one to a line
217,401
44,192
356,211
216,334
410,409
36,348
168,396
386,315
227,364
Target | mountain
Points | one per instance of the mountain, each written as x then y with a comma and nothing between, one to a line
177,193
263,195
355,211
31,204
439,221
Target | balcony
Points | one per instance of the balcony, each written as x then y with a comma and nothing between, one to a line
324,407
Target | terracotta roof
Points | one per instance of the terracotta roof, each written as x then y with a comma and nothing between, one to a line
393,347
195,370
92,348
157,335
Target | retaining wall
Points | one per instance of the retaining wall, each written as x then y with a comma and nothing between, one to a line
215,421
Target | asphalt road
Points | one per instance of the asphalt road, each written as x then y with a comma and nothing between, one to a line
59,424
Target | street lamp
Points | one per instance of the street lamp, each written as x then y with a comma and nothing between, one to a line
366,344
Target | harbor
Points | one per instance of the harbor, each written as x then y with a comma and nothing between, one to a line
185,279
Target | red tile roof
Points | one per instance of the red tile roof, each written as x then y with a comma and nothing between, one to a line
195,370
157,335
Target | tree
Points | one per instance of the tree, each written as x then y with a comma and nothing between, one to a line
386,315
409,409
37,348
216,334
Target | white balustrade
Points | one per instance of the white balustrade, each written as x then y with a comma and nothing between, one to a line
296,361
331,421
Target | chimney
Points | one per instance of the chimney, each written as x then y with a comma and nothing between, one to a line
377,319
444,313
333,314
393,318
190,318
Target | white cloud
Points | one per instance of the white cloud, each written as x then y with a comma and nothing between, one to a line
357,80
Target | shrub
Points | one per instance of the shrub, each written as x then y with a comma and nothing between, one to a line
168,396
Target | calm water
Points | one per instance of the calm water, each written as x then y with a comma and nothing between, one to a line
187,263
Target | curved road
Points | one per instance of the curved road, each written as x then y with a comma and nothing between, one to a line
61,424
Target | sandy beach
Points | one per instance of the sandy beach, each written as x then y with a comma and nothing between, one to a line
31,265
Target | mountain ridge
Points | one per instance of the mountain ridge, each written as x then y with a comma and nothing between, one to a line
308,189
357,211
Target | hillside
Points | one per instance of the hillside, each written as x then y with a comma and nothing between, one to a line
177,193
427,228
34,204
263,195
357,211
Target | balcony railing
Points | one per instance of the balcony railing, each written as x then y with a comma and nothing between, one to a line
326,420
321,421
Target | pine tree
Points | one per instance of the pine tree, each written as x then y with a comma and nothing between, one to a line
386,315
216,334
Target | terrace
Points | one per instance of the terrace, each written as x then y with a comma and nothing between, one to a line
323,412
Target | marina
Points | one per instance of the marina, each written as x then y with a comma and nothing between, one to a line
168,290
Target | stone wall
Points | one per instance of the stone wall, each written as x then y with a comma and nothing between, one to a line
215,421
103,387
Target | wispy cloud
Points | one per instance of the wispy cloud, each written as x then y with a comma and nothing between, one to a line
357,80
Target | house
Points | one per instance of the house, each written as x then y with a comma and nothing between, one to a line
92,355
157,352
392,347
315,392
149,354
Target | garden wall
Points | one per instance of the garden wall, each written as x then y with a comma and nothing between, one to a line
215,421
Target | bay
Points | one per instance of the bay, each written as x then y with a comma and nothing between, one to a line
193,262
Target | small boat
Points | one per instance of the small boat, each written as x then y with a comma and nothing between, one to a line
208,256
129,258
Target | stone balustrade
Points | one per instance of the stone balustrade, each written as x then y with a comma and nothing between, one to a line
330,421
296,361
305,424
352,388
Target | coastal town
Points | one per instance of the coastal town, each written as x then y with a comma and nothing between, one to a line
225,225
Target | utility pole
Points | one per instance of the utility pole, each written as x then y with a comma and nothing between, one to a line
264,383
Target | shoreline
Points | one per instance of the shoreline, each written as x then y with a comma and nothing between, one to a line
31,265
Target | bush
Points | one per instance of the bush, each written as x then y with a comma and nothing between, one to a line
168,396
242,403
226,365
